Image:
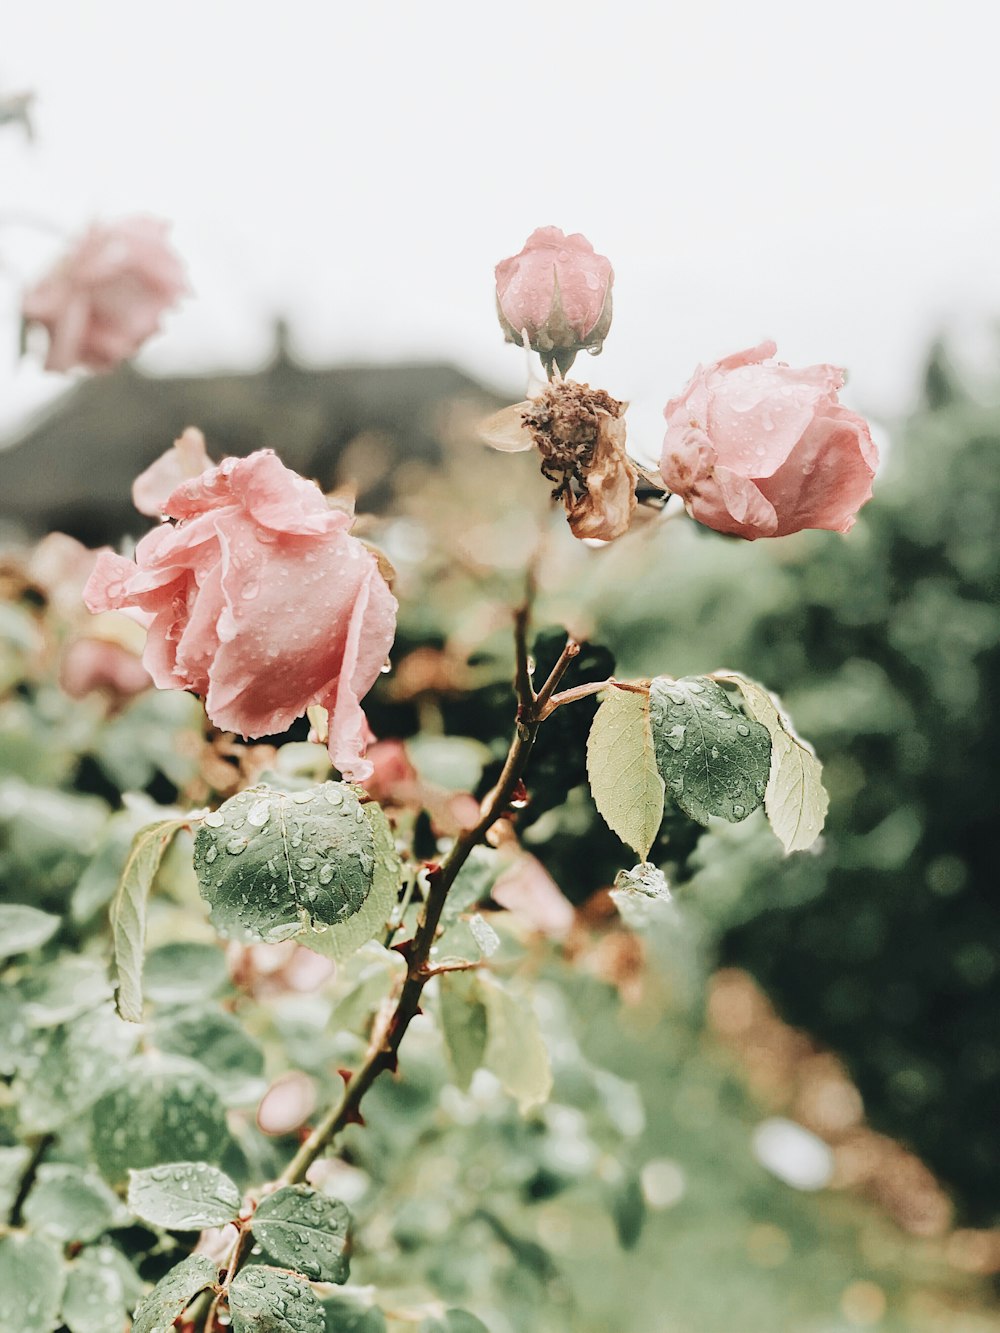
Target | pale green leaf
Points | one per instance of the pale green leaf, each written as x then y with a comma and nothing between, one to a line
272,864
23,928
128,911
183,1196
157,1312
267,1300
306,1231
795,800
463,1023
95,1297
515,1051
714,760
621,764
68,1203
31,1267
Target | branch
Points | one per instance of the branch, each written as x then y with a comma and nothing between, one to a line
382,1052
555,701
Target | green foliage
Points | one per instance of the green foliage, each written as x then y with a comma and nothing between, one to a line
272,863
68,1203
173,1294
31,1279
464,1024
128,911
713,759
796,801
95,1299
23,928
621,763
267,1300
183,1196
159,1109
306,1231
515,1049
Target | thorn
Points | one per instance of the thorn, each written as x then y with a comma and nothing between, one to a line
346,1075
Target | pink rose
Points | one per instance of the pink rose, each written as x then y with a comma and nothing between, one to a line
260,600
186,459
105,298
758,449
558,292
99,664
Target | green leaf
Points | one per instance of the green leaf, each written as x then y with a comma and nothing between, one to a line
267,1300
272,864
795,800
33,1268
63,989
453,762
69,1204
515,1051
162,1109
454,1321
621,764
95,1297
220,1044
347,1313
185,972
23,928
157,1312
306,1231
128,911
713,759
77,1064
343,938
183,1196
464,1024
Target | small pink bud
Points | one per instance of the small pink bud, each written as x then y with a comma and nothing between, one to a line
759,449
557,294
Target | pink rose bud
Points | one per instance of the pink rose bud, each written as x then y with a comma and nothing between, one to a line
556,294
757,449
287,1104
260,601
104,299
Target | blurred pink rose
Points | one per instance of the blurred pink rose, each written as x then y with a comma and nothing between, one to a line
99,664
185,459
529,891
558,291
758,449
260,601
287,1104
104,299
276,969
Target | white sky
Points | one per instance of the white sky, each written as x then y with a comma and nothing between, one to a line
823,174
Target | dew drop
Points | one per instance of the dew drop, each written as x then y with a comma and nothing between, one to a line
236,845
259,814
211,854
214,820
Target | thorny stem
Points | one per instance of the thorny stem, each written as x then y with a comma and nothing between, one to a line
382,1051
385,1042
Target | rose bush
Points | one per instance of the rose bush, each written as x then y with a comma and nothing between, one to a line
260,600
759,449
557,290
105,298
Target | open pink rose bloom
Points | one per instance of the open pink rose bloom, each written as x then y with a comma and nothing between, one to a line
558,292
105,298
758,449
259,600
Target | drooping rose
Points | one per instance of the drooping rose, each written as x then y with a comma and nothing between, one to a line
557,292
186,459
261,601
106,296
758,449
580,434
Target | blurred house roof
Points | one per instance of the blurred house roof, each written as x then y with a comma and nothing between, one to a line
72,469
